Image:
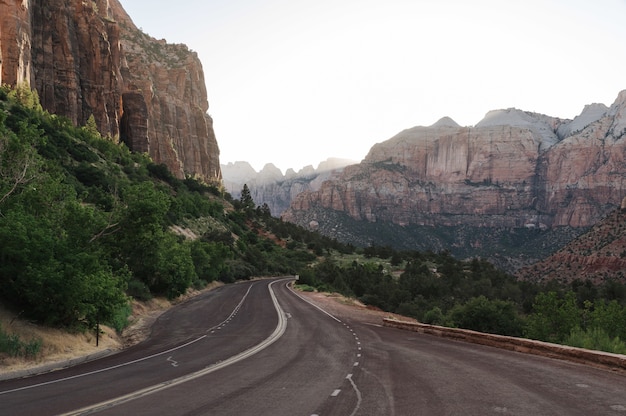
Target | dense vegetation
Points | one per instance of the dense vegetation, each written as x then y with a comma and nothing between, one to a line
86,225
438,289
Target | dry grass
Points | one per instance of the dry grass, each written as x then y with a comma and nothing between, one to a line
56,344
59,345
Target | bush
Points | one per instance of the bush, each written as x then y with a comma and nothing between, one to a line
138,290
305,288
119,321
12,345
434,317
595,339
492,316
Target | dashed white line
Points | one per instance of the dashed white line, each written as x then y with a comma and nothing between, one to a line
336,393
278,332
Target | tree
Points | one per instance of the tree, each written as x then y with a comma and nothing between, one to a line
264,210
49,269
26,97
92,127
19,162
247,203
209,259
492,316
141,231
553,317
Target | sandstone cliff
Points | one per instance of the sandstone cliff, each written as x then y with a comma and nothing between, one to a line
87,57
598,255
271,187
514,170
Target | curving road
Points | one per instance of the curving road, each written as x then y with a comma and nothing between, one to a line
257,348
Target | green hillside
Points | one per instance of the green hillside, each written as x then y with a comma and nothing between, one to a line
85,224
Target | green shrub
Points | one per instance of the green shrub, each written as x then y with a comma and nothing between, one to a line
119,321
434,316
305,288
492,316
12,345
138,290
595,339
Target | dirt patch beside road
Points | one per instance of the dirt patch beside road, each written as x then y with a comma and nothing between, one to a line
350,308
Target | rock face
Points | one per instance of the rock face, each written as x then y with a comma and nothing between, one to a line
271,187
598,255
513,170
87,57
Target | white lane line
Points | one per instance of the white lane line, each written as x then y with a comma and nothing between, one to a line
278,332
349,377
359,397
102,370
129,362
336,393
314,305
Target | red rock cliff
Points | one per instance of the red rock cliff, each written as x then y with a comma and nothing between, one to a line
87,57
512,170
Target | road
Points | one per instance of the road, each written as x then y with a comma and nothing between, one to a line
257,348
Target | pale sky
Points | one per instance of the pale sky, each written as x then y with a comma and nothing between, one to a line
293,82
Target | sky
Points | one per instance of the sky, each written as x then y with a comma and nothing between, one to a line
294,82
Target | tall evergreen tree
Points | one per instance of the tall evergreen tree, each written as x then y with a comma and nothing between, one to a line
247,203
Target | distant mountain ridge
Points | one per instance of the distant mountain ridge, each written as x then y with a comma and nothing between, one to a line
515,170
269,186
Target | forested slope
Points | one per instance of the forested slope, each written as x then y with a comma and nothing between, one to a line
85,224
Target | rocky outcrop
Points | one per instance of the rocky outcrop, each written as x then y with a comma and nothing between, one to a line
271,187
87,57
513,170
598,255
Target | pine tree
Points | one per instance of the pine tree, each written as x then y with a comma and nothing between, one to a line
247,203
92,126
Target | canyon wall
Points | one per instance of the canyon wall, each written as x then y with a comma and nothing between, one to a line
88,58
513,170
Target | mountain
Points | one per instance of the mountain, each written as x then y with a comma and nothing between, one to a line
598,255
517,185
271,187
88,58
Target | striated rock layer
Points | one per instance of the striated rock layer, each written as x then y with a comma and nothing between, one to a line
513,170
87,57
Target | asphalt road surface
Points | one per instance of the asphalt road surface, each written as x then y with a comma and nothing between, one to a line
257,348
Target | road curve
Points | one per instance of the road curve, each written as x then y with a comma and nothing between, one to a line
198,334
314,363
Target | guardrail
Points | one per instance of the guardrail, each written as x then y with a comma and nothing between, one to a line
600,359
